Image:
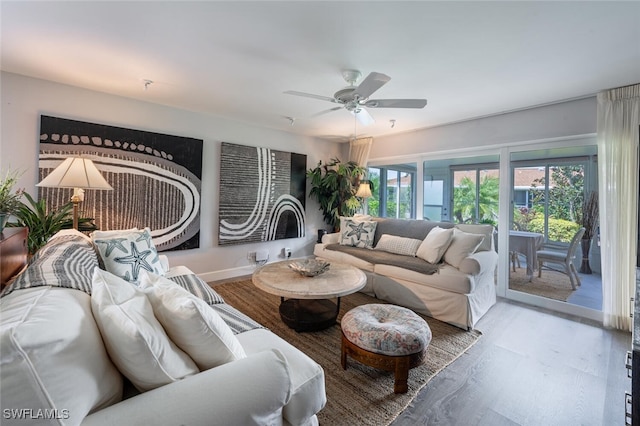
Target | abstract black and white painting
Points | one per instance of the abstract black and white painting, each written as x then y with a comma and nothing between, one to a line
156,178
262,194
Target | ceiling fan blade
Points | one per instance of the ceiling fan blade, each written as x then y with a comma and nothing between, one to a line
373,82
396,103
326,111
309,95
363,116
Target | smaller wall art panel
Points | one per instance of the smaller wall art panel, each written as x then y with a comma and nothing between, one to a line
262,194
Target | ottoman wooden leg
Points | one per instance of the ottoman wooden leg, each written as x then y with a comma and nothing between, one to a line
343,353
401,374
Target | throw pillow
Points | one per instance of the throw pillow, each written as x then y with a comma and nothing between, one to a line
481,229
135,340
398,245
357,233
125,253
191,323
462,245
435,244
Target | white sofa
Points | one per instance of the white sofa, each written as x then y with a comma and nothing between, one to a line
457,295
55,368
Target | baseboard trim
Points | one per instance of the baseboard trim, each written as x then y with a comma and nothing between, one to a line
226,274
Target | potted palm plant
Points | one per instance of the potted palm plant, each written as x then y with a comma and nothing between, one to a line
9,199
589,221
334,185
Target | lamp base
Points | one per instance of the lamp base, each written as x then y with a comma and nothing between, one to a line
75,213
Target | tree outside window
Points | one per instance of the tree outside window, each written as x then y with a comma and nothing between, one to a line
476,203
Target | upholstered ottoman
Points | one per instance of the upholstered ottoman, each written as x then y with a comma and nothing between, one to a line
388,337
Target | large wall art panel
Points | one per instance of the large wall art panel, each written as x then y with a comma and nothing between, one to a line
262,194
156,178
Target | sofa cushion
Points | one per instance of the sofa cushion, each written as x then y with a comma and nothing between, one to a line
307,376
357,233
134,338
448,278
379,257
435,244
398,245
67,260
462,245
52,356
191,323
125,253
327,252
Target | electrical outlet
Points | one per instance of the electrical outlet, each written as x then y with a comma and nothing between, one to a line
262,255
251,256
286,252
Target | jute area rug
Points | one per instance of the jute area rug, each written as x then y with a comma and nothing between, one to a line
360,395
552,284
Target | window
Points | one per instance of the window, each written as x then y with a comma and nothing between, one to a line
464,189
393,193
475,194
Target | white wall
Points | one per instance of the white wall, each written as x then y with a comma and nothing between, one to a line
549,122
25,99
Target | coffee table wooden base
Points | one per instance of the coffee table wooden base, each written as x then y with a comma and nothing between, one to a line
309,314
400,365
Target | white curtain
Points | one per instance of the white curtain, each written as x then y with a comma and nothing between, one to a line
618,122
359,150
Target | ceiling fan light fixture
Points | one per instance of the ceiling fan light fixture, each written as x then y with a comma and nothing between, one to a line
351,76
355,99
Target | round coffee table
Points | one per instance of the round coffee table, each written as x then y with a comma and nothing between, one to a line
305,302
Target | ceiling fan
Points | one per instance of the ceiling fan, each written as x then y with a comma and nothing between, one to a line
356,98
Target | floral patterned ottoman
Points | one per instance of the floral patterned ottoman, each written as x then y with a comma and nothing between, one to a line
384,336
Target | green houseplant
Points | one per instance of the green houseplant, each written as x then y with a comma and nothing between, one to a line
334,186
41,223
9,199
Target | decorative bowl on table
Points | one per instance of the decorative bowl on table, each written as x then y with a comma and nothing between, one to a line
310,267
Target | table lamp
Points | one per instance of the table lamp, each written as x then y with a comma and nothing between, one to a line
364,190
79,174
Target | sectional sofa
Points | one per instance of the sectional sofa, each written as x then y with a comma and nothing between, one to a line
457,285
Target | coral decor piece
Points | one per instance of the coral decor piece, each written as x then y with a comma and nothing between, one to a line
310,267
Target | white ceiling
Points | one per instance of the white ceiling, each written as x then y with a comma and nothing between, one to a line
235,59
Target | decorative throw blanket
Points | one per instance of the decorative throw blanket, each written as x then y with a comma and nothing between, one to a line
236,320
380,257
65,261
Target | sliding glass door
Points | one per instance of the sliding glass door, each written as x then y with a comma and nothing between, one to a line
548,198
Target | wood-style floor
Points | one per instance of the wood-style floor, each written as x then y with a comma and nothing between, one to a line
530,367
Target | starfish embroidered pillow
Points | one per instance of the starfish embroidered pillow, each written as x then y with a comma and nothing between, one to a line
126,253
357,233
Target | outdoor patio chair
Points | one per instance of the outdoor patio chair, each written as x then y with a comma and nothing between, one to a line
562,257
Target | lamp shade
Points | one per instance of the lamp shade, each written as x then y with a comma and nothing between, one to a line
75,172
364,190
